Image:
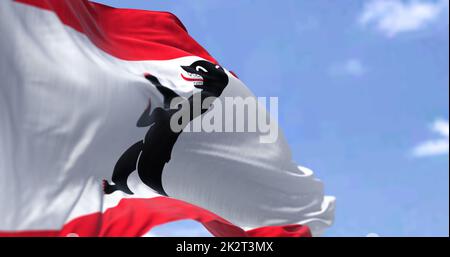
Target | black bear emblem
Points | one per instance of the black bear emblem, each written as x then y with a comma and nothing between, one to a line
150,155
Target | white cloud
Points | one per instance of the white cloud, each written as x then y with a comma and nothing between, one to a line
392,17
438,146
352,67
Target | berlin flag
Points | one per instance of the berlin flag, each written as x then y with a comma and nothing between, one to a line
86,148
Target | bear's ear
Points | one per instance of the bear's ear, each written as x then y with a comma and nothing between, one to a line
145,120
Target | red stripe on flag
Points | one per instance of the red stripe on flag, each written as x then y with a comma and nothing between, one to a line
126,33
139,35
135,217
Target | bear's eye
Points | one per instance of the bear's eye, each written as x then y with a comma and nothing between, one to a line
200,68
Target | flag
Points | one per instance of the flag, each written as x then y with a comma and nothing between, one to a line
85,143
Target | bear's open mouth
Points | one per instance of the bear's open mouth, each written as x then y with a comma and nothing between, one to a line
192,77
197,79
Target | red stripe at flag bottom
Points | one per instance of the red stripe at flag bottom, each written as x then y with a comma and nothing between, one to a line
135,217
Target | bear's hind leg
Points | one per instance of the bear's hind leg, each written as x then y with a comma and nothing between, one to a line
124,167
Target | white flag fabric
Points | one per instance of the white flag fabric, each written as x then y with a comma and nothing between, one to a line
77,156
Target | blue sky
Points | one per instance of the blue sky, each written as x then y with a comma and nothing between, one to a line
363,98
